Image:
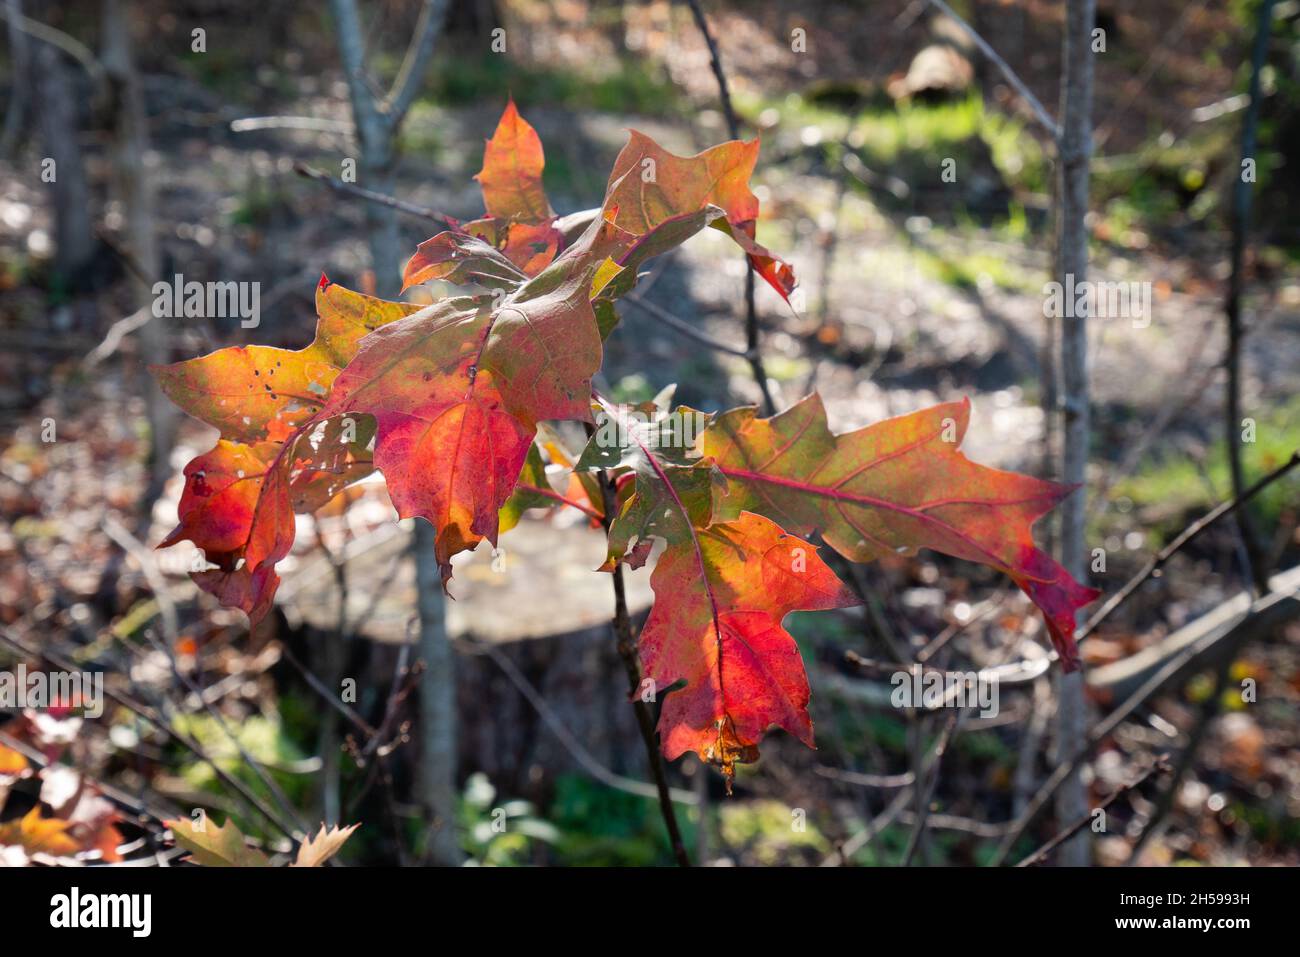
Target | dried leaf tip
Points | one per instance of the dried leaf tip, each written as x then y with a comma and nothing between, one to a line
729,751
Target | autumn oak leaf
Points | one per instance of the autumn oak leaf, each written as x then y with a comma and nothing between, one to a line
277,454
315,851
650,186
457,391
511,176
214,846
261,393
721,590
897,485
716,625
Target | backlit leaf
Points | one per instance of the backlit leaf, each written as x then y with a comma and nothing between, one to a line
650,186
315,851
898,485
720,598
511,176
259,393
214,846
36,834
457,391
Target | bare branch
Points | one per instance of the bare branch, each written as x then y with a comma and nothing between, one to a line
685,328
752,354
407,84
149,567
571,744
1153,567
1265,614
1255,557
310,124
134,804
19,58
349,189
861,780
57,38
931,776
1161,765
148,714
328,696
276,791
626,643
1044,118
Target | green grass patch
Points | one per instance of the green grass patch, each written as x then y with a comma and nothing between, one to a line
626,85
1180,485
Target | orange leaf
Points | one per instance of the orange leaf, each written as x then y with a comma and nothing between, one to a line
39,835
259,393
716,624
650,185
898,485
315,851
511,176
12,763
721,592
457,392
277,453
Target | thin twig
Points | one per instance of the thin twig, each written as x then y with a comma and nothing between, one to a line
1161,765
350,189
566,737
685,328
626,643
752,354
1022,781
192,686
149,567
311,124
1256,559
1188,534
19,58
926,790
858,779
1208,712
1044,118
115,336
402,684
335,656
1265,614
135,805
328,696
65,42
410,73
143,711
952,822
858,841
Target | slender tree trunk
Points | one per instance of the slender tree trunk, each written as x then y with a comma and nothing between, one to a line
22,77
74,240
133,184
1075,153
438,750
1241,196
376,134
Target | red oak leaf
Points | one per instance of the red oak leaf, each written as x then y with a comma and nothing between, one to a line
511,176
277,454
900,484
720,597
255,393
457,392
650,185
